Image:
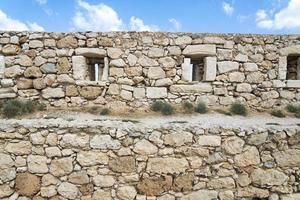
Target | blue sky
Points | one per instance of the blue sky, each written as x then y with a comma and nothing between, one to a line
224,16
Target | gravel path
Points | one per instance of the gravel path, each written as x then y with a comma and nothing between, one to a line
202,121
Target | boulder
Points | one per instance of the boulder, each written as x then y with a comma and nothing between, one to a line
11,49
27,184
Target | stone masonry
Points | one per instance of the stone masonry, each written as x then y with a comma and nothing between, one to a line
143,67
95,160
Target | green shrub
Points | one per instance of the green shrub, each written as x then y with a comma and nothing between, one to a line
292,108
12,108
163,107
278,113
105,111
297,115
167,109
201,108
238,109
188,107
157,106
41,106
224,112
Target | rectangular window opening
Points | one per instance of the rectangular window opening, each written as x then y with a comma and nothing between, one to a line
95,69
293,67
198,69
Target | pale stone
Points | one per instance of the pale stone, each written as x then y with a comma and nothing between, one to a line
268,177
201,194
236,77
7,175
197,88
227,66
183,40
79,177
5,190
20,148
255,77
213,40
90,158
79,67
241,58
287,94
167,62
178,139
114,53
156,73
295,196
209,140
10,49
50,93
48,53
126,95
252,192
139,93
53,152
250,156
65,78
244,87
174,50
104,181
294,49
132,59
61,167
156,92
68,190
200,50
49,68
24,83
117,63
287,158
293,83
13,71
90,52
226,195
72,140
118,72
126,193
144,147
5,161
104,142
24,60
147,62
163,82
233,145
219,183
250,67
63,65
269,95
167,165
102,195
156,52
37,164
257,138
49,191
32,72
36,44
210,68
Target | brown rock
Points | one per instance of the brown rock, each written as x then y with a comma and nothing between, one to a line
63,65
24,83
27,184
32,72
11,49
86,189
31,53
183,183
61,167
154,186
67,42
122,164
71,91
89,92
39,83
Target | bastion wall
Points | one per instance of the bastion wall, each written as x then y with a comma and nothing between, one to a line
137,68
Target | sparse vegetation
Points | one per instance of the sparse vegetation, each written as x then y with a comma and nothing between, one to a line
105,111
297,115
278,113
13,108
163,107
292,108
131,120
238,109
201,108
178,122
188,107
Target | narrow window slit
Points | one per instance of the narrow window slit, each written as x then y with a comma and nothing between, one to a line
96,68
198,69
293,67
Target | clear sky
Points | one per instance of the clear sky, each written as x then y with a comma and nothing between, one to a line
224,16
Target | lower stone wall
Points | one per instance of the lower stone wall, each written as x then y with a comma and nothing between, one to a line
128,160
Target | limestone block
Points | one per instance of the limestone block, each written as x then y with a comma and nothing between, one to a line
90,52
156,52
287,158
37,164
156,73
125,164
11,49
144,147
237,77
79,67
50,93
114,53
187,70
27,184
163,82
233,145
167,62
282,68
244,87
241,58
117,63
61,167
201,194
114,71
67,42
126,193
154,186
167,165
293,83
13,71
197,88
250,67
210,68
35,44
90,158
24,60
183,40
104,181
68,190
139,93
209,140
32,72
49,68
268,177
156,92
90,92
104,142
250,156
200,50
295,49
126,95
19,148
227,66
213,40
147,62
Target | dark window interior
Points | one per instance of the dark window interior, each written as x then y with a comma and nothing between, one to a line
92,63
198,69
292,67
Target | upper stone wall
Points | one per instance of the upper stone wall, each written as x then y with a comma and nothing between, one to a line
140,67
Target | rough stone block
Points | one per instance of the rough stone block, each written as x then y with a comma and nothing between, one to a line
200,50
79,67
156,92
197,88
210,68
227,66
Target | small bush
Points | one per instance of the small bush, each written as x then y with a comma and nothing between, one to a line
188,107
201,108
12,108
278,113
292,108
157,106
163,107
41,106
105,111
297,115
238,109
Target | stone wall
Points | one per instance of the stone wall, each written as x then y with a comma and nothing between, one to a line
95,160
143,67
